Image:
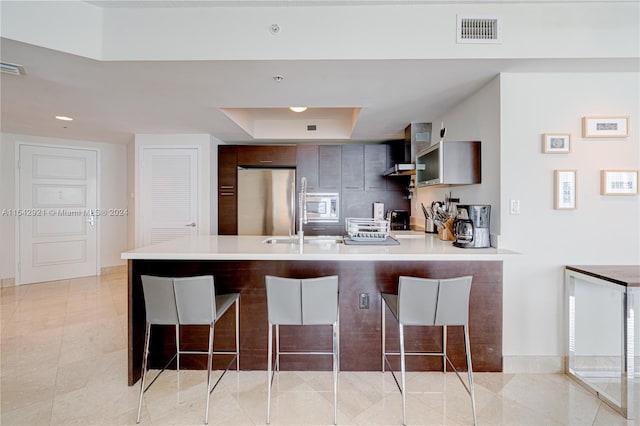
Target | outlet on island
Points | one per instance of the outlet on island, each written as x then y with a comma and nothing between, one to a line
363,301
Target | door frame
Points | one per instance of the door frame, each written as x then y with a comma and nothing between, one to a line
203,192
16,223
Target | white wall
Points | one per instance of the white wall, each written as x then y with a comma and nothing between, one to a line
509,116
602,230
560,29
477,118
113,181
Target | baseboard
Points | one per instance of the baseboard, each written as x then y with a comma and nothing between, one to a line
118,269
7,282
533,364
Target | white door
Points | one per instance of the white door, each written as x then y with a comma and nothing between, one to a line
169,189
57,205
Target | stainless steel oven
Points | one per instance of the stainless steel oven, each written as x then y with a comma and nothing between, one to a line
323,207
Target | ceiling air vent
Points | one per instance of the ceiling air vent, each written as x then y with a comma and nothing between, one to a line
478,30
13,69
311,127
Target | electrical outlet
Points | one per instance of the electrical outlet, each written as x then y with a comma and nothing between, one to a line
514,207
363,301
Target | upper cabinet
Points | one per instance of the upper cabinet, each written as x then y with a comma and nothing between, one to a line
329,159
320,164
376,160
227,189
267,156
353,165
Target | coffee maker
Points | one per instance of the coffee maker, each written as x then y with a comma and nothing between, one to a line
471,227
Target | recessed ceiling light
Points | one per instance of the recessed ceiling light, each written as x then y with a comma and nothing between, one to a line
63,118
298,109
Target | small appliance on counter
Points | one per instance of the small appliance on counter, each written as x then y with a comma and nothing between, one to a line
399,220
471,227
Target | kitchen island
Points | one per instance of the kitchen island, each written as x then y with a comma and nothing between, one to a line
239,264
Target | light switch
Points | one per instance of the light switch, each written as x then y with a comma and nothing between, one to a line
515,207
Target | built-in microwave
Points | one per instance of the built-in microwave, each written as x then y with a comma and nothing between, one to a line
449,163
323,207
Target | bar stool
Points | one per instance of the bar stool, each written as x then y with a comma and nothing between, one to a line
311,301
186,301
429,302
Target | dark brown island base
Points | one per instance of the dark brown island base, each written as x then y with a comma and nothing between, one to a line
360,333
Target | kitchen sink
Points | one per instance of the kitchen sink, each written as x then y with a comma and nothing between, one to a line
307,240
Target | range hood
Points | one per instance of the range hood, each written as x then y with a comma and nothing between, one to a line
417,136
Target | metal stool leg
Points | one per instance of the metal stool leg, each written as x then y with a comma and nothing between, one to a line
444,348
403,376
147,337
209,367
382,313
335,373
269,373
238,334
467,348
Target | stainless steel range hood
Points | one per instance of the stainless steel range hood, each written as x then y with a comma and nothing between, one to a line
417,136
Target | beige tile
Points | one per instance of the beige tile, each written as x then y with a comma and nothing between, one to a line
64,362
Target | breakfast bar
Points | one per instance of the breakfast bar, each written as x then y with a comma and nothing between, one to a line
240,263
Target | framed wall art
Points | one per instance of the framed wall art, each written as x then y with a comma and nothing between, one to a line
556,143
619,182
565,189
605,127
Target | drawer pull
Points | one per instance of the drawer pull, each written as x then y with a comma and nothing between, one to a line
227,194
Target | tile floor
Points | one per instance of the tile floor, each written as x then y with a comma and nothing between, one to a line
64,362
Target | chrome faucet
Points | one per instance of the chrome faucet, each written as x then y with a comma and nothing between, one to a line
302,209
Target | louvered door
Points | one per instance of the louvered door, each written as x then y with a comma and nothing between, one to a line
169,190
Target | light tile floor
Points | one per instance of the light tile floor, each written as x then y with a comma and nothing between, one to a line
64,362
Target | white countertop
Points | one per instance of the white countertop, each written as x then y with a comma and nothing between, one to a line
413,246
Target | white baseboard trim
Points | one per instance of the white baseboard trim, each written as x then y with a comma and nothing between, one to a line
7,282
118,269
533,364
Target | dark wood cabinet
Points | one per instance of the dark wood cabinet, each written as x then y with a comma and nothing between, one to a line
375,164
227,190
315,229
329,164
267,155
307,166
320,164
352,167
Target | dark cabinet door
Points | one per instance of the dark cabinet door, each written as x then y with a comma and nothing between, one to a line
267,155
352,167
329,165
227,190
307,166
375,164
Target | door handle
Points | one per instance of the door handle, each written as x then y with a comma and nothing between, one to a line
91,219
192,224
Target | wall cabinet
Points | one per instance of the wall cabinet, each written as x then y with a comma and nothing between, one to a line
227,190
320,164
353,167
266,156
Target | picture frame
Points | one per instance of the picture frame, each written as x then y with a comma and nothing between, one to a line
605,127
565,189
556,143
619,182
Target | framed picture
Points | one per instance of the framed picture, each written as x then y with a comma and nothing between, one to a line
619,182
565,195
556,143
605,127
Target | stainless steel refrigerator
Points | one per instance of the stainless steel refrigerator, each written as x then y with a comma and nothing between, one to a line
266,201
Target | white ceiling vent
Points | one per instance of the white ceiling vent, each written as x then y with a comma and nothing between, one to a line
478,30
13,69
